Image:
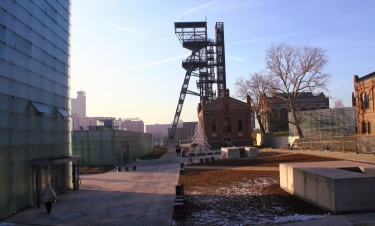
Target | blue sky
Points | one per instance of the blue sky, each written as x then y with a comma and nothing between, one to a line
126,56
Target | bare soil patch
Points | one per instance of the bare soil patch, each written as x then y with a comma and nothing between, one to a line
272,160
236,197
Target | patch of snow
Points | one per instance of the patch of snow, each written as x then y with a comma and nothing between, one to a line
226,206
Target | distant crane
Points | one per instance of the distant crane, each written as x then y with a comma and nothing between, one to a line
201,63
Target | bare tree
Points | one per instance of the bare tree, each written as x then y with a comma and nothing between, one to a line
338,104
298,69
257,86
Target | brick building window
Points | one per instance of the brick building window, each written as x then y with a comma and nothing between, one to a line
364,127
227,127
369,127
213,125
239,125
365,100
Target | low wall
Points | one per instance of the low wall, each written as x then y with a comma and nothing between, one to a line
337,186
270,140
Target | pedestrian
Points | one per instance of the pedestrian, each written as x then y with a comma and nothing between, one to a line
49,197
190,158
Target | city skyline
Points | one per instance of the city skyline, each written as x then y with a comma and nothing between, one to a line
127,58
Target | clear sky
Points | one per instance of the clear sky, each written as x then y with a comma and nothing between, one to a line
126,56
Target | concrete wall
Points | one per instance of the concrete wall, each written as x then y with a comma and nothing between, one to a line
106,147
269,140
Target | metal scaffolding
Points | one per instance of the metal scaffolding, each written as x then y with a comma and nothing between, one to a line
201,63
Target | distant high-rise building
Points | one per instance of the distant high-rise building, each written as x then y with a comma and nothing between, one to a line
35,138
78,109
79,104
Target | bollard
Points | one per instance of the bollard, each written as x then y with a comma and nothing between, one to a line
179,209
181,167
119,169
179,190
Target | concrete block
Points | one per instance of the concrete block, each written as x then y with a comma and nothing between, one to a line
337,186
230,152
239,152
252,152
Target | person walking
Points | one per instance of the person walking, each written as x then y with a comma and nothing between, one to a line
178,150
49,197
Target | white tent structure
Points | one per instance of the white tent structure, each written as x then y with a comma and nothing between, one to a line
200,139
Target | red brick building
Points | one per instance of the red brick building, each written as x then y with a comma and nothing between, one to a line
227,121
363,100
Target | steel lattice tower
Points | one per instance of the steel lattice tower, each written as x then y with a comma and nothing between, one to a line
201,63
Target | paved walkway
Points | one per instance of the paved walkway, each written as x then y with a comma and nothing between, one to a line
369,158
141,197
145,197
234,168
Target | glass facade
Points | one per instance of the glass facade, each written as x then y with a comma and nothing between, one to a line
34,97
326,122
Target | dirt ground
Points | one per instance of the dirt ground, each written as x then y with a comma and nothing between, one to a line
242,197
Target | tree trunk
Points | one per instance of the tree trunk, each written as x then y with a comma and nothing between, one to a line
261,127
297,124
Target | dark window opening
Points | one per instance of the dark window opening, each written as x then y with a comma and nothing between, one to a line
363,127
369,127
227,127
239,125
213,125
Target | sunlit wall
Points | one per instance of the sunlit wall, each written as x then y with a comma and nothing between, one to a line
106,147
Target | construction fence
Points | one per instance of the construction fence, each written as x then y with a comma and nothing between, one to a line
325,123
357,144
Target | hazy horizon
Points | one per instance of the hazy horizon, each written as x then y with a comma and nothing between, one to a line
127,58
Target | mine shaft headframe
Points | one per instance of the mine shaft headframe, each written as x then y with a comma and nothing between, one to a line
220,59
201,62
192,35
